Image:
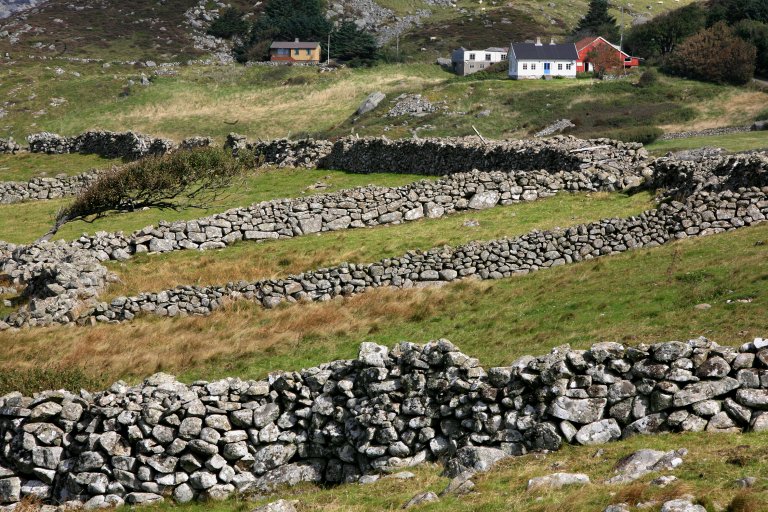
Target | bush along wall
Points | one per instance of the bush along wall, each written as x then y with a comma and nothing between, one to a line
383,411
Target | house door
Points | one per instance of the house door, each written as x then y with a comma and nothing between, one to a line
546,68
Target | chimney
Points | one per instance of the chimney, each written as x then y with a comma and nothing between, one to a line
296,40
538,41
551,40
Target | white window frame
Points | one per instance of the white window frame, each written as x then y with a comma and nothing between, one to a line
559,66
525,66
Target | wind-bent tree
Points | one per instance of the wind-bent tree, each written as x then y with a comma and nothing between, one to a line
182,179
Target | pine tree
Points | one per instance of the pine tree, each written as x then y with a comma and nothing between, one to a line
598,22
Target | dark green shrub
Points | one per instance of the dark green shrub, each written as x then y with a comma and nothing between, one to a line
229,24
642,134
648,78
703,55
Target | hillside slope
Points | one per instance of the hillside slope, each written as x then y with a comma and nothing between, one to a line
174,30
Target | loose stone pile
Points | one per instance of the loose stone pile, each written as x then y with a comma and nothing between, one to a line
8,146
381,412
45,188
412,105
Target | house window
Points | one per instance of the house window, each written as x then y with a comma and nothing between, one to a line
559,67
487,56
296,51
525,67
283,51
309,52
471,56
503,56
568,67
533,66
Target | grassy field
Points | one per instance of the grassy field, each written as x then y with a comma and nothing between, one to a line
708,473
732,142
277,102
251,261
25,166
639,296
25,222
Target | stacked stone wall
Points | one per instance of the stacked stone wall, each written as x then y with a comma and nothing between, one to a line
702,198
381,412
126,145
45,188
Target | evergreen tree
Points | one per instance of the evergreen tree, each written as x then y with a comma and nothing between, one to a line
598,22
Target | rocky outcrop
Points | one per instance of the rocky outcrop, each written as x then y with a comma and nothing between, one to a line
385,410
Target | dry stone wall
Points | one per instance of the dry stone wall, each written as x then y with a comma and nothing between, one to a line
446,156
127,145
45,188
286,218
383,411
716,199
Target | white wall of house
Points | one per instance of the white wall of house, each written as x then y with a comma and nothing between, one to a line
529,69
480,55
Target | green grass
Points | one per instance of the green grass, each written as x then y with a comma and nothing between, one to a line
25,166
25,222
251,260
270,102
639,296
732,142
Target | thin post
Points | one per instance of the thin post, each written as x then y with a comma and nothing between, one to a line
328,57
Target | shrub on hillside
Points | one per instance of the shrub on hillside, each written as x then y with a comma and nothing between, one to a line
755,32
642,134
229,24
715,54
661,35
177,180
598,22
648,78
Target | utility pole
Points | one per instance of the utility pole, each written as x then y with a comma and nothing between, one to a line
621,41
328,57
397,48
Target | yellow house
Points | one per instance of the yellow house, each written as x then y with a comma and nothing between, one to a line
297,51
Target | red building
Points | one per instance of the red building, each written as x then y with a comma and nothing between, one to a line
592,44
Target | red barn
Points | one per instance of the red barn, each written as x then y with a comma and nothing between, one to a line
589,44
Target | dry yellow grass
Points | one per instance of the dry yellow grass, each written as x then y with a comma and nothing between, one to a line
242,329
736,109
269,112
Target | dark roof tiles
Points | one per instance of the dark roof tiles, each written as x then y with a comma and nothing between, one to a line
532,51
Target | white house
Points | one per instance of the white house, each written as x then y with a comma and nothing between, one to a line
466,62
537,60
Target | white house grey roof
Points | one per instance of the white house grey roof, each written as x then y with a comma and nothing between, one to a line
533,51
